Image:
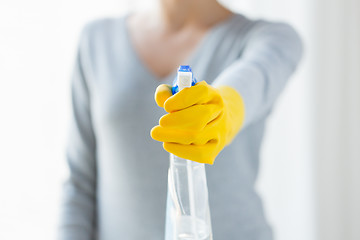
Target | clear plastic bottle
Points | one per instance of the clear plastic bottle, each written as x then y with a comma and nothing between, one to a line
187,211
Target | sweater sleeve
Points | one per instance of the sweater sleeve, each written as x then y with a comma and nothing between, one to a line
270,56
78,210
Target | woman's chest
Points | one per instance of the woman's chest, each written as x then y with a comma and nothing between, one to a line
163,51
125,102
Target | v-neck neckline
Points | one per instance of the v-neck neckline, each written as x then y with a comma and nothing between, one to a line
190,60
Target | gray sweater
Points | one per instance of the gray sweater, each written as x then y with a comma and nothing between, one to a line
117,185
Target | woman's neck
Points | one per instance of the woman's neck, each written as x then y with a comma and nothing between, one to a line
177,14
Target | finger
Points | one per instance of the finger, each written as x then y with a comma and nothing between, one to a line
162,93
193,118
162,134
197,153
197,94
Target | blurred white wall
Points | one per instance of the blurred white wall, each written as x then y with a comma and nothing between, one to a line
307,176
337,119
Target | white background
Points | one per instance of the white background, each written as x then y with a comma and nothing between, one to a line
300,157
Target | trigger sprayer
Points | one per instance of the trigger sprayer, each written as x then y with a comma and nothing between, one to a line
187,210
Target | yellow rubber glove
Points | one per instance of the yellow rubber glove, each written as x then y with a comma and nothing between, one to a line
201,120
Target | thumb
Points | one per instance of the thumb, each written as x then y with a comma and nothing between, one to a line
162,93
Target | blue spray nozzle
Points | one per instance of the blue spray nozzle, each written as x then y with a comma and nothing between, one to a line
182,68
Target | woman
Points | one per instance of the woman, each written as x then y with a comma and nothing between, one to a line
118,174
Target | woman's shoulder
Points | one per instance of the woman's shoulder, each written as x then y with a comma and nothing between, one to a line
103,27
101,36
244,29
251,25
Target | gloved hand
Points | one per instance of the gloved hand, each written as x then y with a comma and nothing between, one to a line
201,120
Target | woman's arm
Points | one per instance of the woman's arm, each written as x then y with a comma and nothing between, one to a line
269,58
78,214
214,115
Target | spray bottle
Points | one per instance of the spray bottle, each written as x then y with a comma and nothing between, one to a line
187,210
